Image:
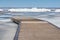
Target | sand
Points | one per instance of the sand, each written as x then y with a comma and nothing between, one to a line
38,30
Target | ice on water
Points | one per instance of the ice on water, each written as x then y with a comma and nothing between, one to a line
8,28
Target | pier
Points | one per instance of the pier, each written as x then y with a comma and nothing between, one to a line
34,29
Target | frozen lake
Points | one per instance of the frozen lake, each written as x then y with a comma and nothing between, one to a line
8,28
51,17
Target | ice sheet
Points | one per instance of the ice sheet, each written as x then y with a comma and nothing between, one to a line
55,21
7,30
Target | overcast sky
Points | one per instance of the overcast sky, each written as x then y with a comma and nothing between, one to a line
29,3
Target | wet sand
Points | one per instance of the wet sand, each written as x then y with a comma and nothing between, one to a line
38,30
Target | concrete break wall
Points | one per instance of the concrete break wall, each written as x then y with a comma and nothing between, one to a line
34,29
